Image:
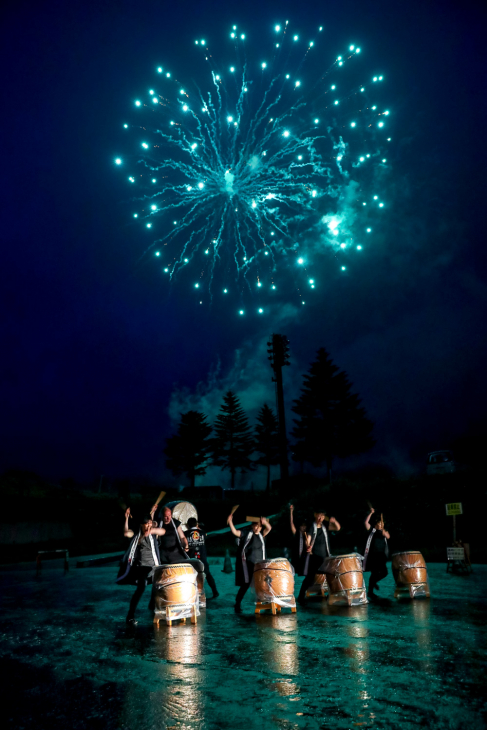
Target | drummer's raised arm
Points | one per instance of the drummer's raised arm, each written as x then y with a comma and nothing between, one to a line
334,525
367,519
182,537
291,516
127,532
157,531
236,532
266,526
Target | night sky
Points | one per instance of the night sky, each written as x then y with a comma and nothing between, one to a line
99,354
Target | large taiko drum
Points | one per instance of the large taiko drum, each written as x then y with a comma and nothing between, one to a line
182,511
345,578
175,591
273,582
411,575
199,566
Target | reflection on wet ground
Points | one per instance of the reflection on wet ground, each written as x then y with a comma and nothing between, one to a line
68,661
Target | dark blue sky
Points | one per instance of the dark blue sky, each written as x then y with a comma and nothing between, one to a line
97,354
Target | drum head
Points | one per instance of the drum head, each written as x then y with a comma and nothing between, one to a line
341,557
182,511
407,552
274,564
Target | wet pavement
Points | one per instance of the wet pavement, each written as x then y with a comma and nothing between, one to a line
67,660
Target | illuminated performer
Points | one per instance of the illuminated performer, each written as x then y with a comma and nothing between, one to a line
173,543
376,551
196,538
317,548
139,561
298,549
251,550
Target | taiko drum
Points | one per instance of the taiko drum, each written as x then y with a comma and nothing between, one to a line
175,585
409,568
319,587
344,573
273,578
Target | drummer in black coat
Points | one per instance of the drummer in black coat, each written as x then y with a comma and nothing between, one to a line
138,563
173,544
298,549
376,550
251,550
196,538
317,548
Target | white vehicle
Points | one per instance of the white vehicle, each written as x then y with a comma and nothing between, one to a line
440,462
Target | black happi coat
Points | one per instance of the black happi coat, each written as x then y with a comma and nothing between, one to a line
126,574
244,568
376,556
298,552
320,542
170,547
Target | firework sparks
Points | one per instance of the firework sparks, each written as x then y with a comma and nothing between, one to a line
262,170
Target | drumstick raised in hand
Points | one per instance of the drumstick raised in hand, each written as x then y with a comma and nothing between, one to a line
158,500
124,507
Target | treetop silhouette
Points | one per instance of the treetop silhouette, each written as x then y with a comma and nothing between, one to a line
331,422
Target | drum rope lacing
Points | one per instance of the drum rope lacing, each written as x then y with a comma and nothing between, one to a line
284,570
345,572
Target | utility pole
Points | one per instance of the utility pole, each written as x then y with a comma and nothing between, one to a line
278,349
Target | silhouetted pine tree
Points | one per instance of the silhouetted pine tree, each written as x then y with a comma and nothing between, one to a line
267,440
330,420
233,444
188,450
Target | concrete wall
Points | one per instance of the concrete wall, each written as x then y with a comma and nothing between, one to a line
22,533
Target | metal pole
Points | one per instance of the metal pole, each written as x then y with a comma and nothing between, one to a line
282,425
279,356
454,528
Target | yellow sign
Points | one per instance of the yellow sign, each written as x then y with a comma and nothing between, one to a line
454,508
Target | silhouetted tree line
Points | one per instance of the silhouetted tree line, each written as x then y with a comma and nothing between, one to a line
329,423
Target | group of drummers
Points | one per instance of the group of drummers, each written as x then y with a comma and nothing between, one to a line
310,547
161,540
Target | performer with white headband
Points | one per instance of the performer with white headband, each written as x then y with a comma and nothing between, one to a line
173,545
317,549
376,550
139,561
251,550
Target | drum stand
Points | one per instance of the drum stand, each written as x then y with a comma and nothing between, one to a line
271,606
349,597
413,590
318,589
170,617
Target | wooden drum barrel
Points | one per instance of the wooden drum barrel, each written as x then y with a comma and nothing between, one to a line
345,579
274,582
174,587
411,575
